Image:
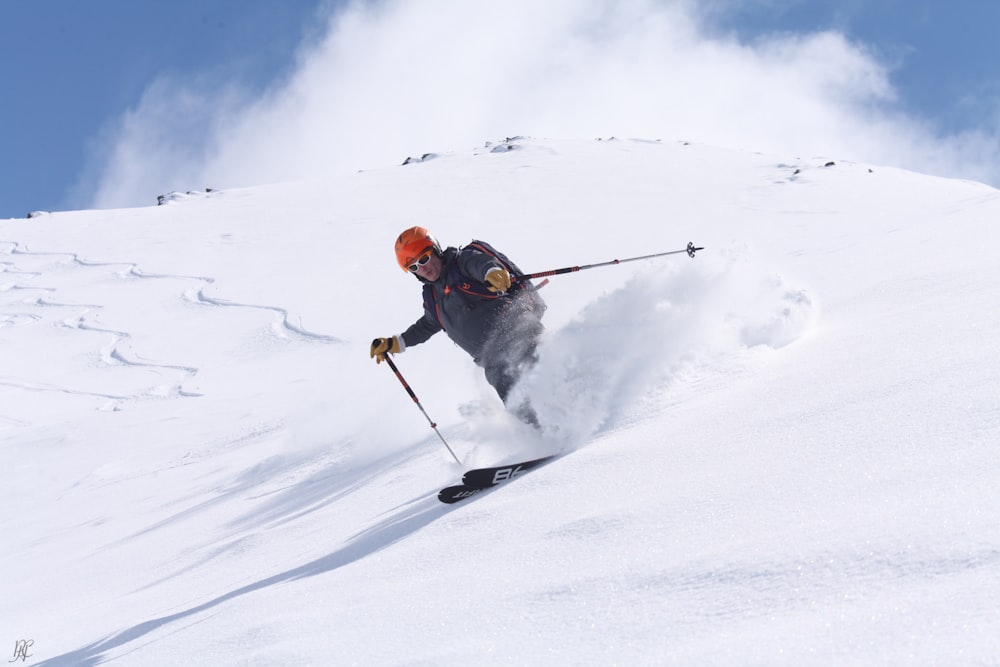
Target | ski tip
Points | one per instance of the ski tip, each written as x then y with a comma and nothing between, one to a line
454,494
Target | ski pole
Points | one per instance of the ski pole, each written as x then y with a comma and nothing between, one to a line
690,250
430,421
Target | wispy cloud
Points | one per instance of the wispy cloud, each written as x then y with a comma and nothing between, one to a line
394,78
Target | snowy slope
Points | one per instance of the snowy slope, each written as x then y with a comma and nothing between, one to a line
782,451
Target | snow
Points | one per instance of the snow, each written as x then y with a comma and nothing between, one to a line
782,451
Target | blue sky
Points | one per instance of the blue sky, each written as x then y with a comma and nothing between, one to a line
112,102
946,53
68,68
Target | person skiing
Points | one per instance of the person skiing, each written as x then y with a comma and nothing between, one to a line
469,293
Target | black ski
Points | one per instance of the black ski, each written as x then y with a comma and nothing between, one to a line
453,494
481,479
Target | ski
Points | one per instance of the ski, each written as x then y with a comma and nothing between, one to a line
454,494
482,479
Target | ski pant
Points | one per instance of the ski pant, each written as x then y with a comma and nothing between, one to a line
509,357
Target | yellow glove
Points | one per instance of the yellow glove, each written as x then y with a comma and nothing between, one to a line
498,279
384,346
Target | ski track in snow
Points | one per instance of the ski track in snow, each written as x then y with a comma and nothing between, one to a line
283,323
25,312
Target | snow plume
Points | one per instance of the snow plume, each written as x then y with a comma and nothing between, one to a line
391,79
648,334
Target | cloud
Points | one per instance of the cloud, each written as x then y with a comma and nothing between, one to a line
395,78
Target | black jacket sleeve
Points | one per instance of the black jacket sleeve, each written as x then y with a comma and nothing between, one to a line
475,264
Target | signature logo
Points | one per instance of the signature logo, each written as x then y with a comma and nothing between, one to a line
507,474
21,647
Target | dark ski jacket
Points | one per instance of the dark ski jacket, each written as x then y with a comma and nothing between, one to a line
481,322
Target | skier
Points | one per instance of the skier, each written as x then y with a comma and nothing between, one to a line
469,294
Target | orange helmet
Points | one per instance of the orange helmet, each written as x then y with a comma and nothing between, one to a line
413,244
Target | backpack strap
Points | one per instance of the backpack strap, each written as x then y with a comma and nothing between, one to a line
526,286
511,268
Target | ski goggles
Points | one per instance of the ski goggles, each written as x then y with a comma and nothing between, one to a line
420,262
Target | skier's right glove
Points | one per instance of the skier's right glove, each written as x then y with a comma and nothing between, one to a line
498,279
384,346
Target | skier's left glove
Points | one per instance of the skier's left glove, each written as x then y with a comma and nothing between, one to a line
384,346
499,279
